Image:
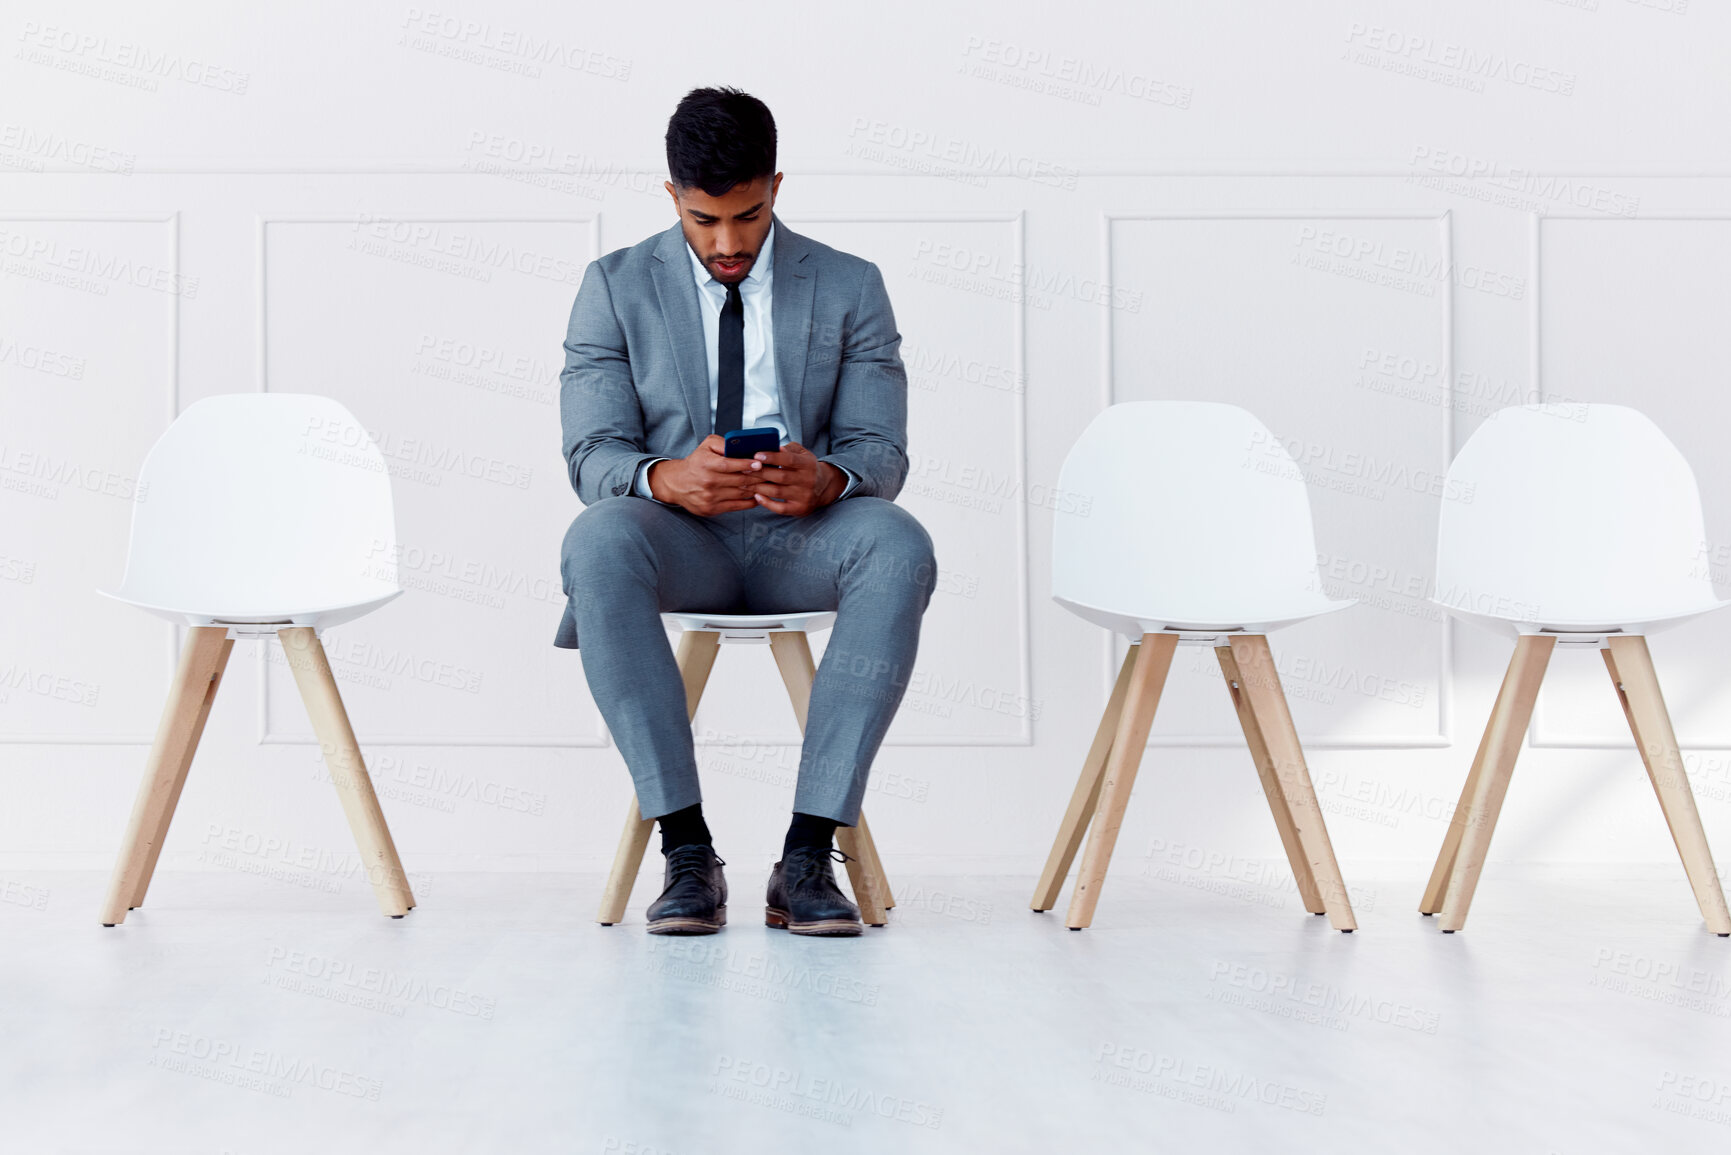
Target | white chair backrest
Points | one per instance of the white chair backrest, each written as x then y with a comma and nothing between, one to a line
1185,510
262,503
1572,515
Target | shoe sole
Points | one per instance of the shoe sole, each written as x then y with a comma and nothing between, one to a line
825,927
690,925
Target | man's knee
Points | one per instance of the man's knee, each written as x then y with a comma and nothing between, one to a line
605,536
898,548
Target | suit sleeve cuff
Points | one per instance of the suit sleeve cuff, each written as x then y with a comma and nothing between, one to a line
641,486
852,482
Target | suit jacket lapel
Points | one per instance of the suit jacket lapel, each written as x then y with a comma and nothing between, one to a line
677,293
795,287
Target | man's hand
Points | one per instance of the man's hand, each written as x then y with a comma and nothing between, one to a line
708,482
794,482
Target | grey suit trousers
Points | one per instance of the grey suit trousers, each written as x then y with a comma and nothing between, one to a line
626,560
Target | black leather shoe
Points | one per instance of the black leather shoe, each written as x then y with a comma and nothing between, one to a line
695,899
804,898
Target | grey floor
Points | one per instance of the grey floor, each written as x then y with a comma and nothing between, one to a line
251,1013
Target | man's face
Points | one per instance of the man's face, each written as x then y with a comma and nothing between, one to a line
727,232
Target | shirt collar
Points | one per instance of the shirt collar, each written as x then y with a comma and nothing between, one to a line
760,268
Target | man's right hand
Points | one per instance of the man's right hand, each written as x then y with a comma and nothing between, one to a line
708,482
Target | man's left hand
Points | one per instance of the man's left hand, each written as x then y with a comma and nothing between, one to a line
794,482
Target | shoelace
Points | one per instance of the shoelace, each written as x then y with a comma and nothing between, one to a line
808,864
691,860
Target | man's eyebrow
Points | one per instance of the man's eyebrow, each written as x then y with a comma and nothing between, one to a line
712,217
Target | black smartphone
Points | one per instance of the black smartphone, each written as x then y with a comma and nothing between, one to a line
751,442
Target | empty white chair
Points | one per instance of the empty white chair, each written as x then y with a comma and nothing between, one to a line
785,634
1571,525
259,514
1187,522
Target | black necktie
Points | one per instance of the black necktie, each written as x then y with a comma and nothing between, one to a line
730,373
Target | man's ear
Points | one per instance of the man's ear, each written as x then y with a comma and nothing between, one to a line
674,193
774,187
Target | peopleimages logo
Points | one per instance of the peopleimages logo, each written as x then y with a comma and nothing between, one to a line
37,148
1272,453
1538,190
466,248
100,56
990,489
1021,277
1410,270
223,1061
1119,1064
1068,77
800,1093
39,359
1329,1000
1445,61
969,158
435,459
70,472
402,987
498,45
45,252
60,687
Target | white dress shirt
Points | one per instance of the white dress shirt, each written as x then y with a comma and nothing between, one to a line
762,405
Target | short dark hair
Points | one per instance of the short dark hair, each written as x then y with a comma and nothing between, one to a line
720,137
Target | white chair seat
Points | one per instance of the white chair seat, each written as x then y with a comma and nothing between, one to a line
1259,618
1632,620
751,627
318,617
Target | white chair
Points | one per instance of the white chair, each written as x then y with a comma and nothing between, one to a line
1187,523
259,514
699,642
1575,525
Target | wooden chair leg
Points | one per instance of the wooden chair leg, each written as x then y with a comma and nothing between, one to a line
1085,799
860,876
627,861
1259,685
875,861
161,835
695,658
203,657
1283,821
1631,667
1141,697
1502,745
792,653
1437,887
348,770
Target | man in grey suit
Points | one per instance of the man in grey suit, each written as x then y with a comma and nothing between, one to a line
728,320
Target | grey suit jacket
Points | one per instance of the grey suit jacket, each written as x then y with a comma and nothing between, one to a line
636,380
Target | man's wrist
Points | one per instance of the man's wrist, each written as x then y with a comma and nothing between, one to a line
649,479
832,482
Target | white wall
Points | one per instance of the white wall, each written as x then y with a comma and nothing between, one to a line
1530,195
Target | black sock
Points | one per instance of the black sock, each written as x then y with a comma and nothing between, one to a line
809,830
684,828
